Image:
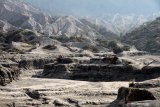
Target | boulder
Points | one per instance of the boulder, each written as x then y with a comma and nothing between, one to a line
136,97
33,94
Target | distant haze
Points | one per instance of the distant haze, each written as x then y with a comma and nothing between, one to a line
97,7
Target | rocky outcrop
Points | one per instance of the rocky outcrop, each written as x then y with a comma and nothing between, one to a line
35,63
99,69
33,94
8,74
134,97
50,47
77,69
8,63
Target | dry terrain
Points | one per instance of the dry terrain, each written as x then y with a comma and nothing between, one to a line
56,92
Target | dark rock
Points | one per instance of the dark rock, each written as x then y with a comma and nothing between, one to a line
57,70
129,97
33,94
63,60
100,72
8,74
99,69
50,47
35,63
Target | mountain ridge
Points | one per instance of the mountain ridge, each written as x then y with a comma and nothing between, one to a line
28,17
121,24
146,37
68,29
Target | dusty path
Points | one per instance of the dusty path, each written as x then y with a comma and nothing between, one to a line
52,92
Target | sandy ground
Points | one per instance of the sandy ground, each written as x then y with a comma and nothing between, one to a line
66,92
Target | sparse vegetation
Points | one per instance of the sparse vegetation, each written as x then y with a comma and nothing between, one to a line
112,45
117,50
22,35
